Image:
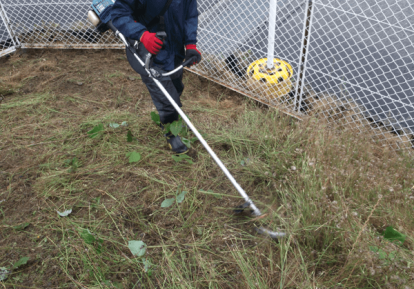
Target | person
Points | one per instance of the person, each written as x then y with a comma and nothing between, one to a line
141,20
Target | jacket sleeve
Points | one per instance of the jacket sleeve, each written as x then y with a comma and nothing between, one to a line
191,23
122,19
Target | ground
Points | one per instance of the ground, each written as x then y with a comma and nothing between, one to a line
333,191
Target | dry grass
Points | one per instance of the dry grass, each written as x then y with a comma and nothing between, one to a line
339,108
333,191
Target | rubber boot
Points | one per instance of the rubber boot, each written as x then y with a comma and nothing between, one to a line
175,144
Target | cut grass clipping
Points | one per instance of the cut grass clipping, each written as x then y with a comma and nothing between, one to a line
139,219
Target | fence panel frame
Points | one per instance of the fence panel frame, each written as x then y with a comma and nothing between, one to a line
6,22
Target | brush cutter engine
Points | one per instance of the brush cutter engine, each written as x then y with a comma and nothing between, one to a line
100,14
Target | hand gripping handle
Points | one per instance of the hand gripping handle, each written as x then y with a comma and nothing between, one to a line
189,62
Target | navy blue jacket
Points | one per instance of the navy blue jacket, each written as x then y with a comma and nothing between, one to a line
181,21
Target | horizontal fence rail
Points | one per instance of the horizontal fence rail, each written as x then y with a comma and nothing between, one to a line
349,62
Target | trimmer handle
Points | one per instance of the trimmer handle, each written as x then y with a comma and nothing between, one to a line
148,60
161,35
189,62
111,26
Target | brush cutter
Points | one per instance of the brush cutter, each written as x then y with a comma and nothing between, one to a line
156,74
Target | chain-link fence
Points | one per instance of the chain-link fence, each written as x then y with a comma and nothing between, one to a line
55,24
351,61
359,69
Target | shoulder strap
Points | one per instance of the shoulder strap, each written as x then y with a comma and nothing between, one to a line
139,6
160,18
167,5
139,10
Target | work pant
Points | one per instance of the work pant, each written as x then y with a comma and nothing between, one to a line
174,87
173,84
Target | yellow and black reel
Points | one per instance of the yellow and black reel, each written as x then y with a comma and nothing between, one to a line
276,82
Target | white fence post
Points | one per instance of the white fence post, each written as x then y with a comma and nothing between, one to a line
307,34
8,43
272,32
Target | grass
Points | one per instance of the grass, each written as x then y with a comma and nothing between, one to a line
333,191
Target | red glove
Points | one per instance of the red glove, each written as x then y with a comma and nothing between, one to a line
151,42
192,51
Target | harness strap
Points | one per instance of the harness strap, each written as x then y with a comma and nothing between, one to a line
160,18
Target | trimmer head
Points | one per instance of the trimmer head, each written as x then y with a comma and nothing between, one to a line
271,234
274,235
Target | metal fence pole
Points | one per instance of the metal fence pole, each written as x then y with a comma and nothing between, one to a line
305,62
9,34
307,26
6,22
272,32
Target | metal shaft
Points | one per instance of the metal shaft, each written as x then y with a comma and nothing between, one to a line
256,211
272,32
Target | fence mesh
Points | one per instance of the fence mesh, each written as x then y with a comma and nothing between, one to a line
361,55
55,24
351,62
359,66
